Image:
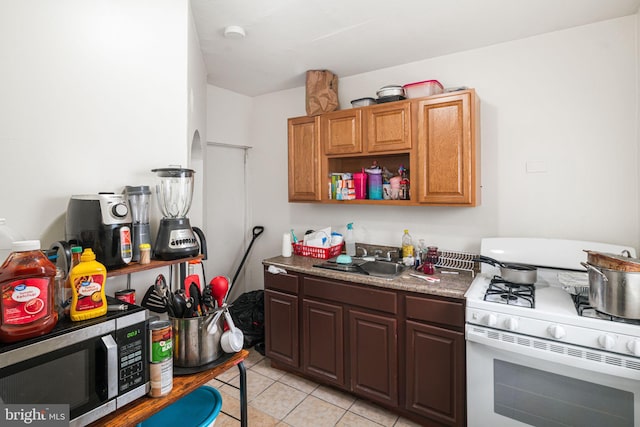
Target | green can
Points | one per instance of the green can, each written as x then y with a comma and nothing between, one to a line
161,337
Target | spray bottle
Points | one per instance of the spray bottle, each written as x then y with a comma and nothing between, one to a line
350,241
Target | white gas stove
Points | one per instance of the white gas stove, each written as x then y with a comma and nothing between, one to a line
551,345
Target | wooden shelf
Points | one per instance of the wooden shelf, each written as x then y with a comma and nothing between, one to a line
135,267
141,409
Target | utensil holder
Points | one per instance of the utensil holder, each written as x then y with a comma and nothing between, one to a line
193,345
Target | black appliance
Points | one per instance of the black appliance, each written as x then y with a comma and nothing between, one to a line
176,238
101,222
95,366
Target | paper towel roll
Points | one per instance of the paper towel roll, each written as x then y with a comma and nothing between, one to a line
286,245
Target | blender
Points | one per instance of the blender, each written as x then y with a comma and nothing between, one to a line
176,238
138,198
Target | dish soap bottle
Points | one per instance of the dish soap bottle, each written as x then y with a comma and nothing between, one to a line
407,245
87,286
350,242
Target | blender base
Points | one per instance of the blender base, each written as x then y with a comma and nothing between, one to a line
175,240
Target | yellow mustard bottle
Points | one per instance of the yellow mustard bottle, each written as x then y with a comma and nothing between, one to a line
88,280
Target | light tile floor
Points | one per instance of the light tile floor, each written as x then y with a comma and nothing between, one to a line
278,398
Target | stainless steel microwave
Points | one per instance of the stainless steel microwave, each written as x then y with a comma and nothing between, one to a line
94,366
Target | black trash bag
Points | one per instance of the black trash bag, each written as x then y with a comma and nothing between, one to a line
247,312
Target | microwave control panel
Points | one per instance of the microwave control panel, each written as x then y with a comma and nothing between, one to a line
132,357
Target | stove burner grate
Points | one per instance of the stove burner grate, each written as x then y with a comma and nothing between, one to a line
584,309
504,292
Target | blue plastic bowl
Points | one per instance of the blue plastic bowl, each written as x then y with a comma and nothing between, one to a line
197,409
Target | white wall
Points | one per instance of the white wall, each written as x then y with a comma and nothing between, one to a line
229,200
566,99
94,95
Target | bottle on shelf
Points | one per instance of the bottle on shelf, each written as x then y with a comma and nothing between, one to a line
67,295
404,184
88,280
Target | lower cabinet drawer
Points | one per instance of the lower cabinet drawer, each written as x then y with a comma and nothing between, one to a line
435,311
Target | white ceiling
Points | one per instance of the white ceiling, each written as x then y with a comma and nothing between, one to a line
284,38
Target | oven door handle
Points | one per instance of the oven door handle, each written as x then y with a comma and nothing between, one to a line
555,352
111,347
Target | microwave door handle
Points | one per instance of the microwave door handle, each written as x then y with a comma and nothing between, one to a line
112,365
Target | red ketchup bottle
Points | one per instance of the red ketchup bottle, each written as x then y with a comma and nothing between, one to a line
27,280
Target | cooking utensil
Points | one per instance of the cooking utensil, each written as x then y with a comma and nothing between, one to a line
614,292
189,309
511,272
207,297
219,289
212,326
153,301
160,287
179,304
620,262
196,296
232,339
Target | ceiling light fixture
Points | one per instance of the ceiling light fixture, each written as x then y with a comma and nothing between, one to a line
234,32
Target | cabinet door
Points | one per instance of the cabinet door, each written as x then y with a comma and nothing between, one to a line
388,127
435,373
281,327
304,159
341,132
323,348
373,356
446,143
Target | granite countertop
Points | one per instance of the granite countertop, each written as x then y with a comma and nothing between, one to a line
450,285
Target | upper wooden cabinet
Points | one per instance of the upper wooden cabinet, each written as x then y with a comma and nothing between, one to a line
304,159
446,145
436,137
341,132
388,127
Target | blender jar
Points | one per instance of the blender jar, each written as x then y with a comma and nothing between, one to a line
174,191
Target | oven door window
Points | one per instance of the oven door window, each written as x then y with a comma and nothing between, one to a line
542,398
75,375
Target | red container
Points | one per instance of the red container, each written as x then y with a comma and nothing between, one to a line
313,252
360,180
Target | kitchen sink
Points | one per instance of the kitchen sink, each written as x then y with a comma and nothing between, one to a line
383,268
378,268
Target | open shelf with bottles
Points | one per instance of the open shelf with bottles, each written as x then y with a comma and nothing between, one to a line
351,164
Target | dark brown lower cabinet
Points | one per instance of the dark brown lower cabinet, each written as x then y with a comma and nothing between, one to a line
323,348
435,373
373,343
403,350
281,337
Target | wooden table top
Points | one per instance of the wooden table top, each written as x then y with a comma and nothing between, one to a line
144,407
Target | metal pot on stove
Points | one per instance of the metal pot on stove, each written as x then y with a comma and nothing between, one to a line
614,283
521,274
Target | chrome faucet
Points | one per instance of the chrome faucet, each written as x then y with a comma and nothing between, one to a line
364,251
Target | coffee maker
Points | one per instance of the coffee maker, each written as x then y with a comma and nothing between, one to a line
176,238
138,198
101,222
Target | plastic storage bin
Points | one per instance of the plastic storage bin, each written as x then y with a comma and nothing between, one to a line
197,409
314,252
425,88
363,102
